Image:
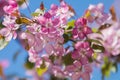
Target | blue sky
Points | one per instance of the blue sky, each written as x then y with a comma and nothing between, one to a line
80,6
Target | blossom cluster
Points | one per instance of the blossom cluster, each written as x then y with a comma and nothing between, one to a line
46,34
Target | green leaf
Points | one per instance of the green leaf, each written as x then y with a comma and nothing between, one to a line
104,26
106,60
94,41
1,26
68,31
66,37
98,48
90,59
70,25
3,43
43,68
95,56
52,58
95,30
40,71
67,59
106,70
108,66
96,45
20,2
29,65
53,77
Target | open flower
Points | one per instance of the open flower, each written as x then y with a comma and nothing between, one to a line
111,39
2,4
81,30
82,52
96,13
9,31
11,8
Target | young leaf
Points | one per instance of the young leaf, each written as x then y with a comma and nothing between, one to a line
70,24
106,69
23,20
29,65
104,26
53,77
94,41
40,71
98,48
87,14
71,9
96,45
95,56
67,59
1,26
94,30
42,6
21,2
67,37
112,11
35,14
52,58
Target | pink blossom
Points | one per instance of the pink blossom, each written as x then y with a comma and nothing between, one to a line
81,30
78,71
97,14
2,4
53,9
8,34
111,39
81,22
82,52
11,8
9,31
47,15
